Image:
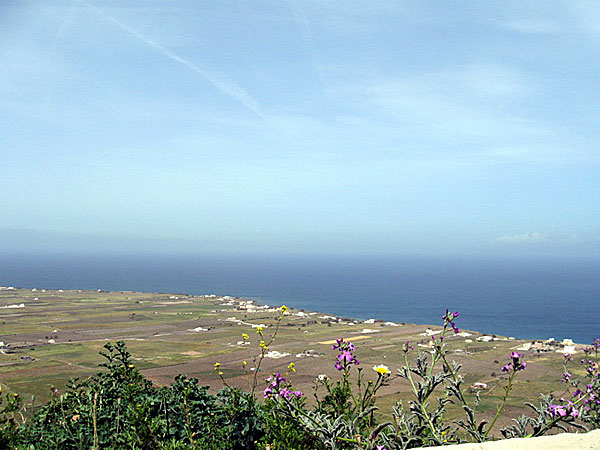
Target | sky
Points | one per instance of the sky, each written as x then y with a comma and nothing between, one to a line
300,127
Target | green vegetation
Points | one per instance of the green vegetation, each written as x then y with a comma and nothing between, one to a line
312,399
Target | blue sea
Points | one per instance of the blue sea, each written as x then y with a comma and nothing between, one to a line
524,298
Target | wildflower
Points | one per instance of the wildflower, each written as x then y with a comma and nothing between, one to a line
283,308
267,392
131,366
380,447
516,364
220,373
217,365
285,393
455,328
566,377
338,366
338,343
346,356
568,356
263,344
449,316
259,329
245,336
381,369
291,367
322,377
557,410
407,346
563,411
276,379
298,394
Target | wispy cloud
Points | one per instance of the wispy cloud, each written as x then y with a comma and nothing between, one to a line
531,26
306,34
478,100
219,81
523,238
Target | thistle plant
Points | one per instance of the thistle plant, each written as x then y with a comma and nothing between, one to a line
423,423
578,409
344,415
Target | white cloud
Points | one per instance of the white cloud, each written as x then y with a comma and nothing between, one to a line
218,80
531,26
524,238
475,100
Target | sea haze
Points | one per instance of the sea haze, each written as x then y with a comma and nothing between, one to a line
520,298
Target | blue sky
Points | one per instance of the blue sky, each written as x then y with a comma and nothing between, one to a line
417,128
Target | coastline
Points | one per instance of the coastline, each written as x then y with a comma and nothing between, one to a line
57,334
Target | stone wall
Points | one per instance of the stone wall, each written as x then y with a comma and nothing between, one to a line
564,441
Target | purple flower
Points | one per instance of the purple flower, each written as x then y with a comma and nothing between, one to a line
285,393
338,366
557,410
338,344
268,391
380,447
506,368
454,327
298,394
346,356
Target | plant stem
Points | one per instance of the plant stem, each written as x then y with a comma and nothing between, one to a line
507,390
415,391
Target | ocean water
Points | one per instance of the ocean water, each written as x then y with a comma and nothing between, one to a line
538,298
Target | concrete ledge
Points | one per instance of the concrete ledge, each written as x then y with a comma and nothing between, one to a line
564,441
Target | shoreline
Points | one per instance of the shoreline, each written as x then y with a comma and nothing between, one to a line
57,334
323,315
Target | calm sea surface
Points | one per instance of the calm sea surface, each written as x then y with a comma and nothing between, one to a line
521,298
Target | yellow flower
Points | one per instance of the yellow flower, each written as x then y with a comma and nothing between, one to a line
283,308
263,344
131,366
217,365
259,329
381,369
220,373
244,363
291,367
245,336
